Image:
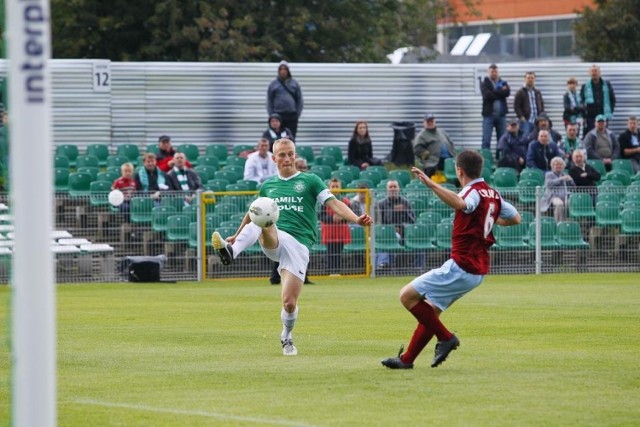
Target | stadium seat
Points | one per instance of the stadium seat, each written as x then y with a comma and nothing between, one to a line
191,211
60,161
237,170
152,148
61,179
450,169
236,161
581,206
335,151
419,237
357,244
419,204
240,148
630,220
174,200
306,152
443,235
99,151
429,218
237,187
225,210
159,217
326,160
226,175
79,184
532,174
608,214
527,217
107,176
511,237
619,175
437,205
547,235
402,176
570,236
598,165
218,151
99,193
215,220
622,164
321,171
191,151
356,182
371,175
344,176
505,180
130,151
610,197
251,185
178,228
384,173
93,171
140,209
209,161
217,184
527,190
355,171
206,172
70,151
386,240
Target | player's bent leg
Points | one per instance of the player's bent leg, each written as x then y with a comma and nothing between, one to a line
409,297
223,249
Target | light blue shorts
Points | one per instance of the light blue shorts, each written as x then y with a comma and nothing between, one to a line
292,255
443,286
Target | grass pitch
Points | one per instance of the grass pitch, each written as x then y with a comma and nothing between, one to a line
536,350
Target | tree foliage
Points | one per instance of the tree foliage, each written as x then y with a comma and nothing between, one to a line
610,32
235,31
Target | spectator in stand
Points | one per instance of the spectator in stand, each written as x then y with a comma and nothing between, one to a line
276,130
573,107
301,164
395,210
543,122
583,174
358,203
126,184
165,154
541,151
601,143
556,193
570,142
360,151
149,178
335,230
630,143
528,103
183,178
512,147
432,146
284,97
495,92
260,164
598,99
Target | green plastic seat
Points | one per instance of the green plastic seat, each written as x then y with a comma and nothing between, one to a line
99,193
355,171
450,169
505,180
238,171
326,160
511,237
240,148
217,185
386,240
237,187
140,209
99,151
624,165
419,237
608,214
332,150
306,152
527,190
61,179
160,216
630,220
107,176
384,173
226,175
209,161
344,176
619,175
570,236
532,174
402,176
251,185
547,235
236,161
152,148
60,161
178,228
130,151
598,165
443,235
206,172
176,201
218,151
70,151
226,210
429,217
79,184
191,151
91,170
358,243
371,175
321,171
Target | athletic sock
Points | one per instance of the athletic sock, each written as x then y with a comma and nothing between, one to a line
247,237
428,317
288,322
421,337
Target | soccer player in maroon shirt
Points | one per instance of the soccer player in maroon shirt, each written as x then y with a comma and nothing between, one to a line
478,207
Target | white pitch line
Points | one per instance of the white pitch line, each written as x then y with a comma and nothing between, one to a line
206,414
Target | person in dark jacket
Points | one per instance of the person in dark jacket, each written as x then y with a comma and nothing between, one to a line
583,174
598,98
360,151
543,122
495,92
512,148
540,152
284,96
630,143
182,178
528,103
276,130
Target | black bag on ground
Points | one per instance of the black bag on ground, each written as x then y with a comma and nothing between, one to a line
143,268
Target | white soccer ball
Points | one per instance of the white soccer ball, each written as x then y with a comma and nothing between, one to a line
116,197
264,212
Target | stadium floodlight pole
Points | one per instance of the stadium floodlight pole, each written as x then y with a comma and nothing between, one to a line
33,326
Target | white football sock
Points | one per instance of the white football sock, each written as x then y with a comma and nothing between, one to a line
247,237
288,321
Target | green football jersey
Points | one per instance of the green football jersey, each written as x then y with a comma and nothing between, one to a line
297,198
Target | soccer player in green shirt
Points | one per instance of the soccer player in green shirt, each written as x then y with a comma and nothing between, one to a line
297,194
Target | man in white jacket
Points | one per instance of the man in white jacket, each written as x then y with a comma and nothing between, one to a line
260,165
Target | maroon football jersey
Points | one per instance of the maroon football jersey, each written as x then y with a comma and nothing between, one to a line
472,233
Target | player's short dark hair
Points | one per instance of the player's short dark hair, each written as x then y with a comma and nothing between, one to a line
471,162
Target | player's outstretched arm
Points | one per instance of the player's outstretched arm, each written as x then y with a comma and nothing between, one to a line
449,197
345,212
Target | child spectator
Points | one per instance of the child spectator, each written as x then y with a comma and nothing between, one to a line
126,184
